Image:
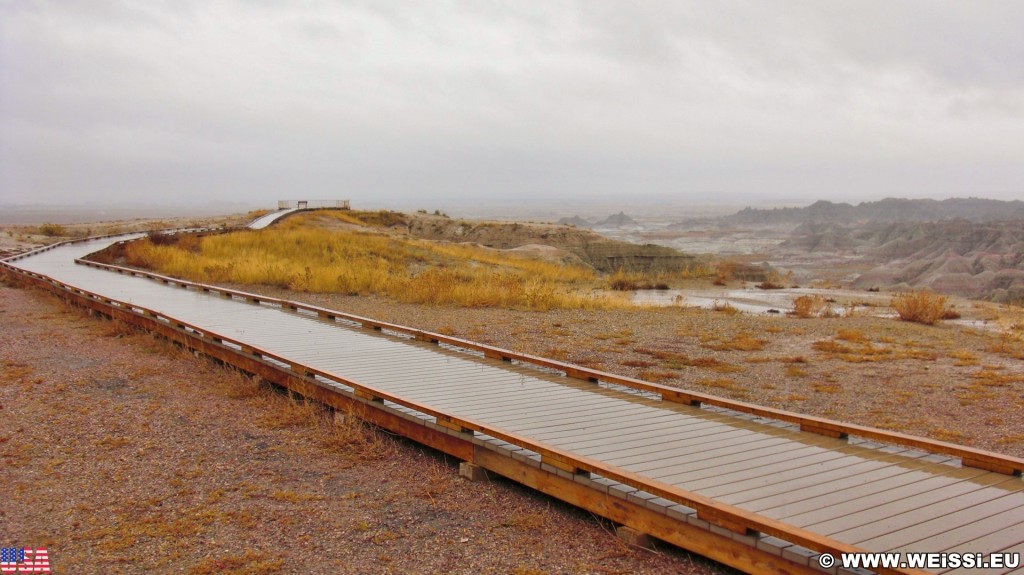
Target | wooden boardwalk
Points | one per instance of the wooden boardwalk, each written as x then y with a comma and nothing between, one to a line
760,489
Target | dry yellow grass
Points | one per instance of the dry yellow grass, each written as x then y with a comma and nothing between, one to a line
852,335
355,262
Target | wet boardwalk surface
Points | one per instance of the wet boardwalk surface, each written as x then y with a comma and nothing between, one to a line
875,497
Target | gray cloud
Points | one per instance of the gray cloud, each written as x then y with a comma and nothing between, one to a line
179,101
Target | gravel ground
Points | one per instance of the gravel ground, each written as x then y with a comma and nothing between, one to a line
121,454
947,382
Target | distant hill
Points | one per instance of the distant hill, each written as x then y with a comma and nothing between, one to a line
974,259
575,221
619,220
887,210
982,260
576,245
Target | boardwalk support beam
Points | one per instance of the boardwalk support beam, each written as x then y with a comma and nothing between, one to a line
472,471
632,537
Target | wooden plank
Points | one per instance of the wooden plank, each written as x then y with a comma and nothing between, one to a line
573,414
760,493
761,462
1019,549
952,503
866,495
515,405
598,430
1001,539
462,390
617,430
656,441
978,515
734,446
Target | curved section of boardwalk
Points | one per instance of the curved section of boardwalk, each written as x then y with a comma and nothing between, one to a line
267,219
769,476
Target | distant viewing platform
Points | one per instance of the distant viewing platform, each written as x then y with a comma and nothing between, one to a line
311,204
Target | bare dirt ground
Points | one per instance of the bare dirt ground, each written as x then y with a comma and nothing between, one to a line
947,381
121,454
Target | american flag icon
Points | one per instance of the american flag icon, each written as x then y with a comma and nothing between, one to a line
24,560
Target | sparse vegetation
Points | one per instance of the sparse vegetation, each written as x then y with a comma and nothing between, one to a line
920,306
318,260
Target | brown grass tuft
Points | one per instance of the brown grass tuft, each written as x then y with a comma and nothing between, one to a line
852,335
249,563
656,376
739,342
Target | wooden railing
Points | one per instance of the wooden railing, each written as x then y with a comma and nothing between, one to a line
312,204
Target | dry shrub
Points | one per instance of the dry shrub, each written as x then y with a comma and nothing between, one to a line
53,230
807,306
919,306
622,281
1007,345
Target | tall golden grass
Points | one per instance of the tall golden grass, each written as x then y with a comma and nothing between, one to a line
356,262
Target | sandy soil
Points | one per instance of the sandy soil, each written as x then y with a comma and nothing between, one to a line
121,454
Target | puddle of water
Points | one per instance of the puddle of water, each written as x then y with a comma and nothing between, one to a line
759,301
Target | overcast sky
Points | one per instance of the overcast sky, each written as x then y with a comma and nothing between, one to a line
259,100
